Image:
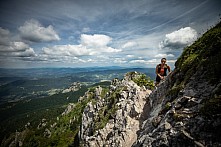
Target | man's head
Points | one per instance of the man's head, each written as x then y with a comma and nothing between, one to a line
163,60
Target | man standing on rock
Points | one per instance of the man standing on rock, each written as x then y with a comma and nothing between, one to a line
161,71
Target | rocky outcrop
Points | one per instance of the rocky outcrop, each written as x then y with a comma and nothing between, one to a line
122,125
74,87
184,110
69,108
178,121
167,116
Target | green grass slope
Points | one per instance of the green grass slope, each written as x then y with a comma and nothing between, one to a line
203,55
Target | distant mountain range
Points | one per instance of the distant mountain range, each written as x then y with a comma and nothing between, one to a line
61,72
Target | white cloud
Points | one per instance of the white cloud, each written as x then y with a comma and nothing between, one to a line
129,44
27,53
20,46
66,50
49,58
179,39
11,48
146,63
89,45
138,61
171,61
33,31
119,60
111,50
14,47
95,41
129,56
83,61
164,55
91,60
152,61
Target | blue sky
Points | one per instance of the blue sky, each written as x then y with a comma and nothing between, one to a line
84,33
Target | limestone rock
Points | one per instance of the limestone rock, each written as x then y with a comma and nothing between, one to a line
182,124
74,87
69,108
121,129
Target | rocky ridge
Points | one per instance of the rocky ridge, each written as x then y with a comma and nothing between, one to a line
179,121
74,87
128,100
184,110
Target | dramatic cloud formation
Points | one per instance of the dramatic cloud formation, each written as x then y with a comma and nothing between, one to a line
95,41
33,31
29,52
90,45
10,48
75,33
16,49
180,38
66,50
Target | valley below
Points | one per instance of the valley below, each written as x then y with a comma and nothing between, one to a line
29,95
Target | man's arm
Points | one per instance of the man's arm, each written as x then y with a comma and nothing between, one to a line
157,71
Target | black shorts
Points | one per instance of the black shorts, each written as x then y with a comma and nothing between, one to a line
158,79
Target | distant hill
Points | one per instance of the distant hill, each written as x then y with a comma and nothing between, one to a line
62,72
37,82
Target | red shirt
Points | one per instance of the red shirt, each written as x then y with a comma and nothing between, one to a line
162,70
